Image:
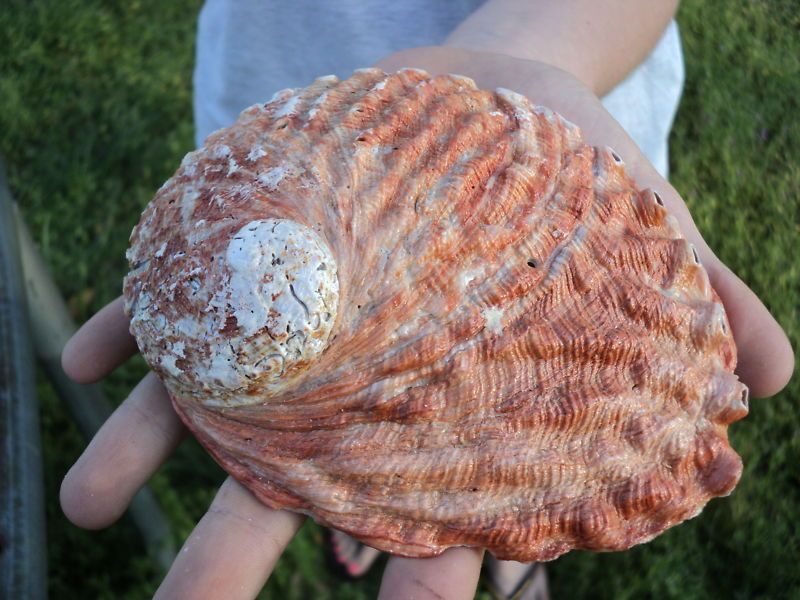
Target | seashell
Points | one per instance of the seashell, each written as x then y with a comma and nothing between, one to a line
429,315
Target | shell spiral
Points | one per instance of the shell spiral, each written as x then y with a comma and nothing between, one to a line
430,315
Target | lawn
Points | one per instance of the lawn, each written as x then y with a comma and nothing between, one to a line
95,113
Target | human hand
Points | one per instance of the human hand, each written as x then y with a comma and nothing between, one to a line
234,547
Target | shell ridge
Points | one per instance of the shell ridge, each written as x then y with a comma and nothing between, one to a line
357,190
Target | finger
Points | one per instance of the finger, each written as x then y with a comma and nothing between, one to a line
233,549
101,345
123,455
766,359
449,576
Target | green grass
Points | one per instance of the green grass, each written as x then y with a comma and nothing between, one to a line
95,113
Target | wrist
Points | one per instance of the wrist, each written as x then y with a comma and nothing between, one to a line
563,57
489,69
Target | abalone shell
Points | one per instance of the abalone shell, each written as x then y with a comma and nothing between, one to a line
430,315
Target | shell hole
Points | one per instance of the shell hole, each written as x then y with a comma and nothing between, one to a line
696,257
532,263
746,398
617,158
724,325
659,201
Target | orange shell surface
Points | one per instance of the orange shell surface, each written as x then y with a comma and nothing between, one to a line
522,352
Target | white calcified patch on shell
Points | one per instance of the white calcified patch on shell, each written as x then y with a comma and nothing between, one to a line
282,282
271,310
514,347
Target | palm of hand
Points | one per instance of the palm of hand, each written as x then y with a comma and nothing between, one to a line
237,543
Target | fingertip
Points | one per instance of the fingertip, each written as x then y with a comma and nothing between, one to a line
103,343
765,356
81,498
71,364
766,368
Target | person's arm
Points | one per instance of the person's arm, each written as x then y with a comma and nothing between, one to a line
598,42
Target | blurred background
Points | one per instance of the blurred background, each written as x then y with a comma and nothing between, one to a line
95,113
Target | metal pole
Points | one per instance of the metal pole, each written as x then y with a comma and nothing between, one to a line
23,547
51,327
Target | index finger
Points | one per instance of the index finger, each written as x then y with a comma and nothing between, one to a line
100,346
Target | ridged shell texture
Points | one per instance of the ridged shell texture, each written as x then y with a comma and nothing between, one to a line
429,315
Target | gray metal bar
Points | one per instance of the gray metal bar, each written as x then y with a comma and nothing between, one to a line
51,327
23,549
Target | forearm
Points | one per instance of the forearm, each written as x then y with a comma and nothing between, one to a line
597,41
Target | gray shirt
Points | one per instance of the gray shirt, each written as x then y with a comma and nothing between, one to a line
249,49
